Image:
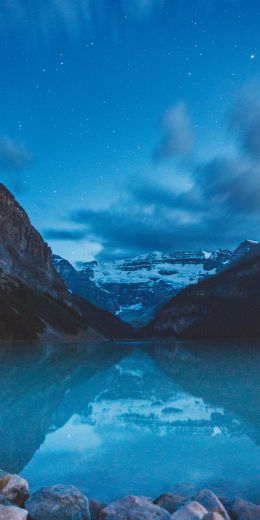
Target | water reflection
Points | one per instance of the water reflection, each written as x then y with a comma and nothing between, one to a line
139,418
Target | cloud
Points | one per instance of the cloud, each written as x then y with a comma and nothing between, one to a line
177,134
134,230
153,193
245,121
216,206
65,234
14,157
74,17
41,21
155,220
141,7
234,183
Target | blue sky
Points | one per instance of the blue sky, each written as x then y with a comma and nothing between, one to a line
132,125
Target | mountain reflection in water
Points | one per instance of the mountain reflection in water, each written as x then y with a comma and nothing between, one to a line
138,418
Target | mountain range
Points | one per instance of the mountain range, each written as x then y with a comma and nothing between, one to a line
181,294
135,289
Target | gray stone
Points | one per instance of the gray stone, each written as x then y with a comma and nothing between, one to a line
4,501
213,516
12,513
58,503
212,503
243,510
191,511
134,508
95,508
14,488
170,502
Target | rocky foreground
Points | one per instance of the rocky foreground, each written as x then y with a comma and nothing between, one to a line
62,502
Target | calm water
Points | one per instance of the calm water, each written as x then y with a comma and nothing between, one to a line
117,418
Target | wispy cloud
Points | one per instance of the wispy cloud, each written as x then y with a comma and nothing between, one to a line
14,157
142,7
177,134
245,120
65,234
219,206
75,17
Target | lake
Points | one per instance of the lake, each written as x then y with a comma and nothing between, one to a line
133,418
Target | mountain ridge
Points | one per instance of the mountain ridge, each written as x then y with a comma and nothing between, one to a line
224,306
136,288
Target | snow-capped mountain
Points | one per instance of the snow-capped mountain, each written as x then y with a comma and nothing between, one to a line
135,288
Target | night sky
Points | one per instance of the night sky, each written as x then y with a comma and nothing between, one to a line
129,126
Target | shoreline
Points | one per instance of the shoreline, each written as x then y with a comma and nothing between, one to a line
66,502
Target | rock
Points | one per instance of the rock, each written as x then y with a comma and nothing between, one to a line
134,508
95,508
191,511
12,513
212,503
4,501
21,245
243,510
58,503
170,502
213,516
14,488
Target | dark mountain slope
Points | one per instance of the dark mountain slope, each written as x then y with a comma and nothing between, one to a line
107,324
34,301
27,314
226,305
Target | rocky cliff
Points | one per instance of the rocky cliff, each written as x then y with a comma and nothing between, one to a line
23,252
34,301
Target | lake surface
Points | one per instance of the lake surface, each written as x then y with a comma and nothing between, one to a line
135,418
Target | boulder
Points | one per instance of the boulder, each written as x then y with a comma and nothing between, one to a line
95,508
191,511
14,488
4,501
212,503
12,513
213,516
170,502
58,503
134,508
243,510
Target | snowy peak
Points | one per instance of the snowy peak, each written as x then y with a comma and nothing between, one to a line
136,288
180,268
248,247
